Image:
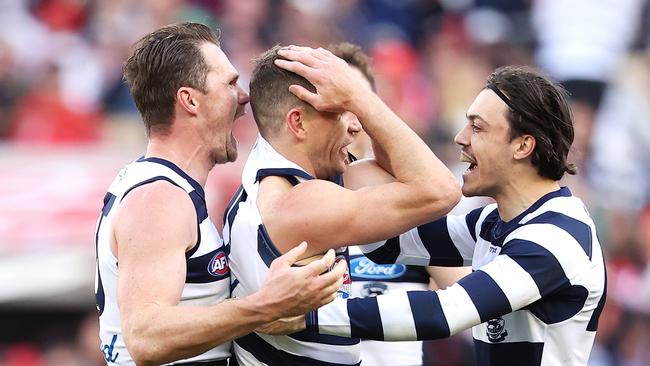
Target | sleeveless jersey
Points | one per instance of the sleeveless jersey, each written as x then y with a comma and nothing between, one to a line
535,295
207,279
251,254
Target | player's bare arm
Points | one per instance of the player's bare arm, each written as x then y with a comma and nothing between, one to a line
423,189
159,218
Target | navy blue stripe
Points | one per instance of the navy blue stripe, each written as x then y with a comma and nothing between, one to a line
471,219
100,298
365,319
272,356
265,247
199,206
592,326
540,264
515,353
561,305
338,180
386,253
436,240
311,321
489,299
201,215
429,319
289,173
490,229
109,200
507,227
580,231
178,171
150,180
202,270
312,336
233,285
233,206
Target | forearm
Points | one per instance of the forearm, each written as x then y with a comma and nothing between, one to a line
157,334
400,151
424,315
416,315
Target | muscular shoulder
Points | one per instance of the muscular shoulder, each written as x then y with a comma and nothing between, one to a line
157,210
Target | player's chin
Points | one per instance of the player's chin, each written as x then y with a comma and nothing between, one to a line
231,150
469,190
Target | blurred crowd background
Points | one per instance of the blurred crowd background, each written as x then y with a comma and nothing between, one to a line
67,124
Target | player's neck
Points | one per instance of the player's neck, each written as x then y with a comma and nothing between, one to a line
520,194
293,152
192,159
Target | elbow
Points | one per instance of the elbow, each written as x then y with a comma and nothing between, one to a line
142,351
141,354
453,194
442,197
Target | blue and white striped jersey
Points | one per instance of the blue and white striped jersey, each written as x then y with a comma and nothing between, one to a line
534,297
373,279
251,254
207,275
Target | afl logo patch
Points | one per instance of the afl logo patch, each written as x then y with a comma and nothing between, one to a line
218,265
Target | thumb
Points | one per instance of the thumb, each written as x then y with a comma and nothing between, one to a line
294,254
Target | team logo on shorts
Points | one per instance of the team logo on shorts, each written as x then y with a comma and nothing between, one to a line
372,289
218,265
496,331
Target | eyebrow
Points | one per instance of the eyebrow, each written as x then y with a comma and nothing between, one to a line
473,117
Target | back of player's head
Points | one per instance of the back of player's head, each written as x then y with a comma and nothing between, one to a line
538,106
270,95
162,62
354,56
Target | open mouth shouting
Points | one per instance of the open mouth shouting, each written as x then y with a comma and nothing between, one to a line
465,157
344,153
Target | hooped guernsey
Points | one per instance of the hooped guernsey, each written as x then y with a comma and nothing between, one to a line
251,254
534,297
207,279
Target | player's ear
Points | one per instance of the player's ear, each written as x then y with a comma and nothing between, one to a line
185,99
524,146
295,121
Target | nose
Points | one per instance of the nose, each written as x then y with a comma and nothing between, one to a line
462,137
242,96
354,125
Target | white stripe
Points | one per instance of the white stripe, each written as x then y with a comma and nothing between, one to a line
335,315
460,236
412,250
458,308
517,284
561,244
396,324
367,248
570,206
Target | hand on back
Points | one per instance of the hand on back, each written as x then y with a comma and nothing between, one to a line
291,290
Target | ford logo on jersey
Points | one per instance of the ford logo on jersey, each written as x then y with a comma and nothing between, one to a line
218,265
365,268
